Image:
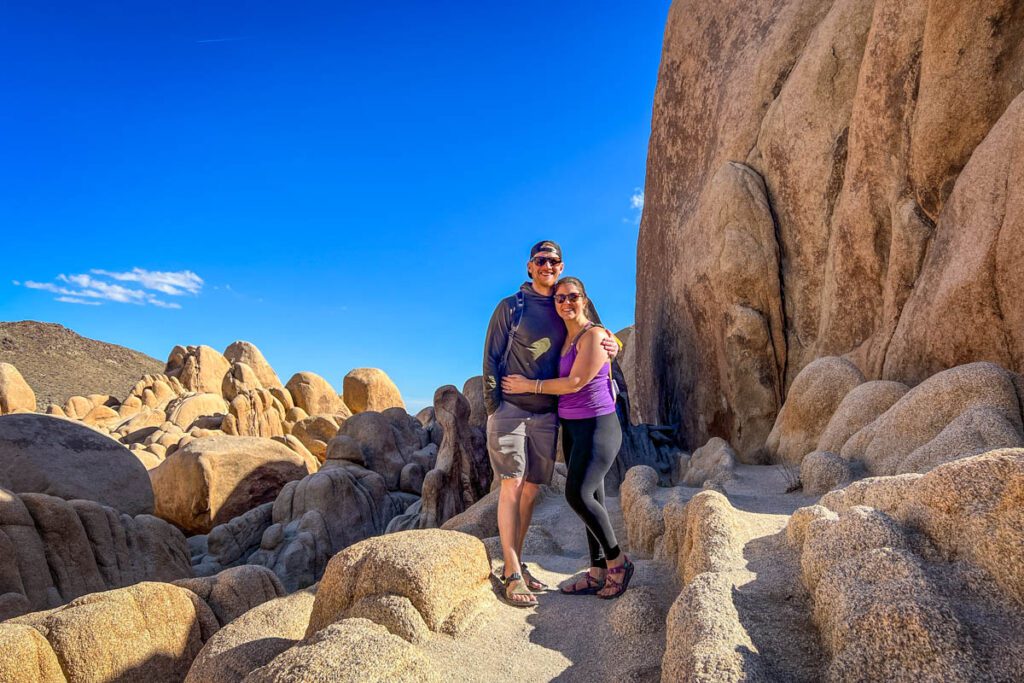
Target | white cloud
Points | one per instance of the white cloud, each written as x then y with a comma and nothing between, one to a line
74,300
86,289
15,283
174,283
636,201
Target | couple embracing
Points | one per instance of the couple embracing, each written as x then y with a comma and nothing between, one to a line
545,362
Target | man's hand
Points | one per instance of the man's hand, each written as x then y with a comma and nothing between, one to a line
517,384
611,346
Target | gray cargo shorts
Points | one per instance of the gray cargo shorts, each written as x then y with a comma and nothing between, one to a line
522,444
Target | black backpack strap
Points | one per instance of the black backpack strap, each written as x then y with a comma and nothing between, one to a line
582,332
517,317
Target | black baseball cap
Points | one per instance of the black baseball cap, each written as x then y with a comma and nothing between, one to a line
546,247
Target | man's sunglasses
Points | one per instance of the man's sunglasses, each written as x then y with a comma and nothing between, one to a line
544,260
571,298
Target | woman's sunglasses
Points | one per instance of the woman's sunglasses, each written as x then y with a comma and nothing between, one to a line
542,261
571,298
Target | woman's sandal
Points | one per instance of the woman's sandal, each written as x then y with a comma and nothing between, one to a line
619,585
514,585
532,582
593,585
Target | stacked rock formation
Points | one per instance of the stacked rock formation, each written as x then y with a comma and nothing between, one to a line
847,170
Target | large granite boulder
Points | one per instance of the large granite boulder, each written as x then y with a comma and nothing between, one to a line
210,480
247,353
314,518
199,369
370,389
53,551
888,231
313,394
15,393
59,457
387,442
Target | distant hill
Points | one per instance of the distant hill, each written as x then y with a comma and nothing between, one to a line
58,363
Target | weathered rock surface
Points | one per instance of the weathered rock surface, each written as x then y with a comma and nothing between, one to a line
184,411
200,369
15,393
231,543
56,456
248,354
26,656
955,413
858,409
446,596
386,442
214,479
888,231
815,396
370,389
350,651
253,639
313,394
928,579
710,465
235,591
314,518
53,551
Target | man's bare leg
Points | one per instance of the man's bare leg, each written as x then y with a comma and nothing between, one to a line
509,500
527,500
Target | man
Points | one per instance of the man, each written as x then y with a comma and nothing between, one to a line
525,337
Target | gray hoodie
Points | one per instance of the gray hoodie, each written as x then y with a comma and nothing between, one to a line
534,354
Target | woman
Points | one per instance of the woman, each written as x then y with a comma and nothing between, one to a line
590,436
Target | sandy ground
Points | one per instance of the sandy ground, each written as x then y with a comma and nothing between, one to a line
573,638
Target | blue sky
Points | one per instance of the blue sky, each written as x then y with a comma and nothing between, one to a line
343,184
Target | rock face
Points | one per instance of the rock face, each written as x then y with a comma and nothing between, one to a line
815,395
890,220
371,389
211,480
314,518
919,573
199,368
150,631
385,443
313,394
15,393
247,353
444,597
53,551
55,456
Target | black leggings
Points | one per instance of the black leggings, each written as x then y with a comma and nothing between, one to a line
590,446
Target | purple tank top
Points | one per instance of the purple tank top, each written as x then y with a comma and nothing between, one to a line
593,400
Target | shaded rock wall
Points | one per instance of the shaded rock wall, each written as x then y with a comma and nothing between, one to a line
53,551
826,177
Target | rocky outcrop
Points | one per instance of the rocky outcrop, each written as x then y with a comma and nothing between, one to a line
314,518
370,389
231,543
149,631
233,592
246,353
815,396
442,597
53,551
461,475
58,457
313,394
919,573
211,480
200,369
711,465
253,639
877,233
384,443
15,393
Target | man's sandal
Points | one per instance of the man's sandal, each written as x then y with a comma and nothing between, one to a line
593,585
532,582
619,585
514,585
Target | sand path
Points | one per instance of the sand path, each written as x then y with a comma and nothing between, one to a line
585,638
